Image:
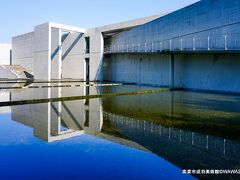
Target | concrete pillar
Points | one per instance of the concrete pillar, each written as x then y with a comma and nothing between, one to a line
172,71
42,52
95,115
56,54
55,119
41,126
56,112
96,55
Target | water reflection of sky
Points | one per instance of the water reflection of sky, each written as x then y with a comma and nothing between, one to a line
85,157
147,136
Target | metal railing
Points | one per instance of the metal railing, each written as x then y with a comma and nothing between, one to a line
192,42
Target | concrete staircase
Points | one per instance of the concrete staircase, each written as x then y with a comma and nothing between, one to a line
15,72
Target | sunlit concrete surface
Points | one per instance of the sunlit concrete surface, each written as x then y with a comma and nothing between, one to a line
197,52
60,49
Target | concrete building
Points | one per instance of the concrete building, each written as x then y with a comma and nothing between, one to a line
56,51
196,47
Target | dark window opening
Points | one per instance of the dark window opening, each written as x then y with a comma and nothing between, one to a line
87,41
87,69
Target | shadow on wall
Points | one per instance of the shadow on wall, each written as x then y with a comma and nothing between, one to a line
72,46
100,72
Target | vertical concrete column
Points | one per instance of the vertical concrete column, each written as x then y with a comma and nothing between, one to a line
96,56
178,70
171,71
94,113
42,52
42,120
95,116
56,112
56,54
55,119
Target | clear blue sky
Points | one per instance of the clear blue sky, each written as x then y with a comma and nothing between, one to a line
19,16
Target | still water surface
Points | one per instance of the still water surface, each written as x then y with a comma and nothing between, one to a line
150,136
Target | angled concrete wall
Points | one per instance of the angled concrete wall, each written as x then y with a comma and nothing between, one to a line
201,18
217,19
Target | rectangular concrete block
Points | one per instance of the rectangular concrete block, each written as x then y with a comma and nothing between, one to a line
42,52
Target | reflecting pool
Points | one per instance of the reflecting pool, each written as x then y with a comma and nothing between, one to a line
142,136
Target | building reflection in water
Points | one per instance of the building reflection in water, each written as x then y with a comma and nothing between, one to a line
60,120
146,122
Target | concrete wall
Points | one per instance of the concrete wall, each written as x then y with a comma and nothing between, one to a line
218,72
5,54
201,16
34,50
42,52
97,43
96,54
140,69
23,51
212,72
207,18
73,63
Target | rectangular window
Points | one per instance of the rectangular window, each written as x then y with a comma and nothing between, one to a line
87,69
87,42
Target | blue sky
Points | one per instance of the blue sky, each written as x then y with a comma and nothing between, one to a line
17,17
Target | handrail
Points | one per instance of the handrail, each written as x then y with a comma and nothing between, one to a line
194,43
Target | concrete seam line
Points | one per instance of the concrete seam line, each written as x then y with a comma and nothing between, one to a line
74,98
100,85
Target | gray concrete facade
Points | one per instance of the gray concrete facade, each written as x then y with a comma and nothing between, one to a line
196,47
206,18
56,51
